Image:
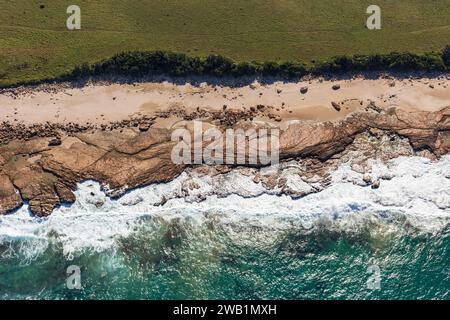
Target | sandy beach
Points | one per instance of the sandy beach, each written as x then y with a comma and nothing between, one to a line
101,104
55,137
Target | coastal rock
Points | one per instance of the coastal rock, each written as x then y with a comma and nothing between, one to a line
367,178
376,184
9,198
55,142
336,87
144,126
127,158
336,106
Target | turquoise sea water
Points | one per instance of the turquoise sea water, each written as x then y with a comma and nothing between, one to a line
242,245
184,260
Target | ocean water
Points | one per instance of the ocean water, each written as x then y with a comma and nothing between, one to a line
243,245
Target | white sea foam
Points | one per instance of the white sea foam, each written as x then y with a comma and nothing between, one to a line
418,190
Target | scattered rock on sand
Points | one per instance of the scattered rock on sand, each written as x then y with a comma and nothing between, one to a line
336,87
303,90
336,106
254,85
55,142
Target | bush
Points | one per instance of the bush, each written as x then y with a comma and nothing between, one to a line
446,56
217,66
245,69
292,70
176,64
388,62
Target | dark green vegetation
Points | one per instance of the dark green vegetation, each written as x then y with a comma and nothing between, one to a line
139,64
446,56
175,64
35,44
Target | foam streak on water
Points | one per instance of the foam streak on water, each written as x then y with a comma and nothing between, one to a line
413,198
418,188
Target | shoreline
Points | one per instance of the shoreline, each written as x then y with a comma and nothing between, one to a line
412,205
102,104
120,135
46,175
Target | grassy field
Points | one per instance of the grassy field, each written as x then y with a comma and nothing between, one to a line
35,44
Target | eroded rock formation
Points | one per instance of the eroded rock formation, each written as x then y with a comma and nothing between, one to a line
45,174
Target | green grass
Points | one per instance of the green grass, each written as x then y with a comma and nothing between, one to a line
35,44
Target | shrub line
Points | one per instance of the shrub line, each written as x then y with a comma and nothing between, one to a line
142,63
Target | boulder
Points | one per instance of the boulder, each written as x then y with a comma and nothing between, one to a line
336,87
55,142
336,106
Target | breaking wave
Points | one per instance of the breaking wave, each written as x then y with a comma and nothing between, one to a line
240,242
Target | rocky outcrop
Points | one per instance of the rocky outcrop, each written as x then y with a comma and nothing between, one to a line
45,173
425,130
9,198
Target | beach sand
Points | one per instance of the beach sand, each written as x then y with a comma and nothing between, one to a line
101,104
